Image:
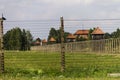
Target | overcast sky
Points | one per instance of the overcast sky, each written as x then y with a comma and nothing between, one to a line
53,9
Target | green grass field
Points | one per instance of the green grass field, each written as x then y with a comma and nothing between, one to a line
33,65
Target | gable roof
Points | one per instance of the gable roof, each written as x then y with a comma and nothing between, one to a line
98,31
52,39
71,36
44,41
38,39
82,32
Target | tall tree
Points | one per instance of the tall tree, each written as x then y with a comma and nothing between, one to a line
90,35
57,35
52,33
29,39
24,40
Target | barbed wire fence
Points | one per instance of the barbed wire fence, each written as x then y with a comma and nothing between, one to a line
40,29
107,26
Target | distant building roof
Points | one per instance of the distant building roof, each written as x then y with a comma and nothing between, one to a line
52,39
71,36
44,41
38,39
82,32
98,31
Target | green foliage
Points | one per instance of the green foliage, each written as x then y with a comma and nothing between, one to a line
65,36
29,39
17,39
90,35
56,34
107,36
116,34
80,39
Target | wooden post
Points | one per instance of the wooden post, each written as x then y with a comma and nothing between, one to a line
62,46
1,47
118,45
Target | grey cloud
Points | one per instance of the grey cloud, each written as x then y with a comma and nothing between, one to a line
33,9
53,9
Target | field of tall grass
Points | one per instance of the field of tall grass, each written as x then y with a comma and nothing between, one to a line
35,65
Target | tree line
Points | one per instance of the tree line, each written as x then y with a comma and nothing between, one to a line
57,36
55,33
21,39
115,34
17,39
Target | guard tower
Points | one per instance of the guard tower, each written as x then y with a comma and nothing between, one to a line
97,34
52,40
98,44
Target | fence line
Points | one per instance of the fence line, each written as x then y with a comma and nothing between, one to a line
99,46
47,48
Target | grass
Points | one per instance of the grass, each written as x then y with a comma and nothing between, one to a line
34,65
